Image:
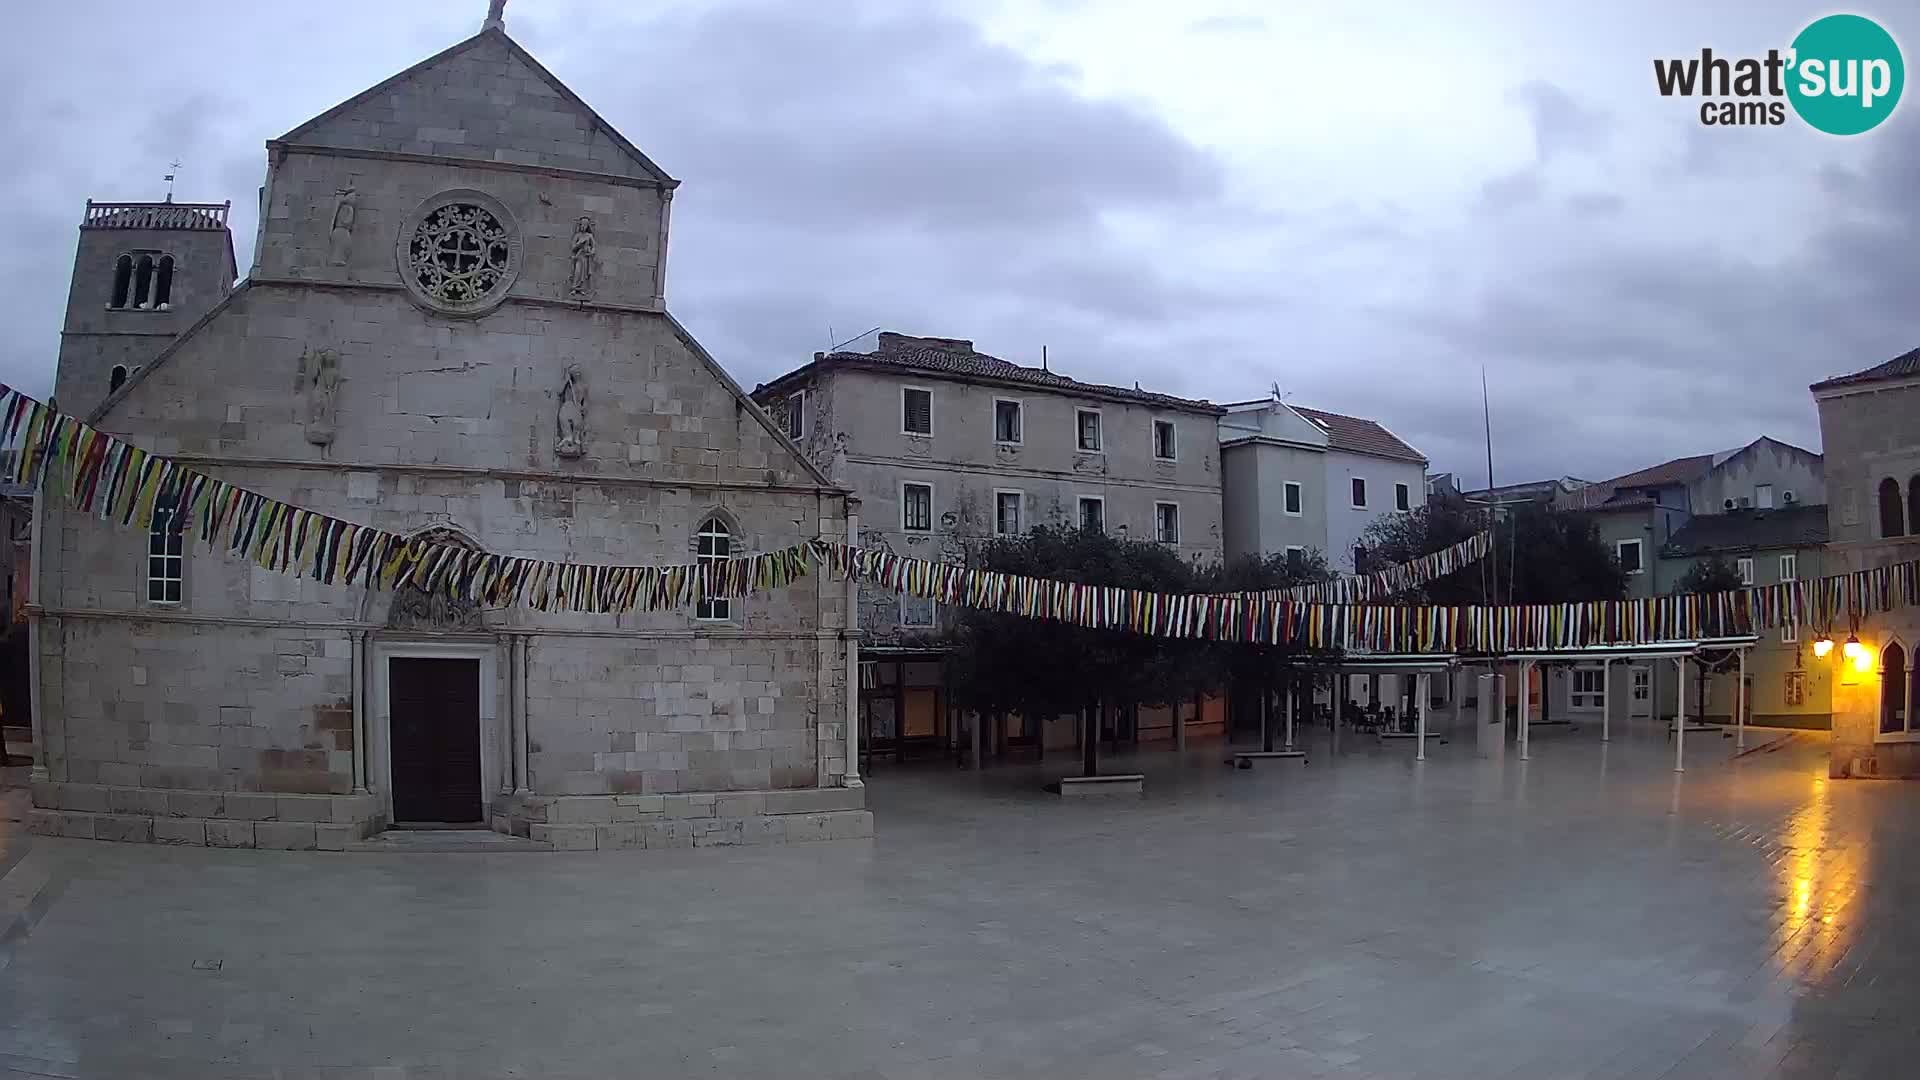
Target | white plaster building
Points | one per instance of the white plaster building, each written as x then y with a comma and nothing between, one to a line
455,322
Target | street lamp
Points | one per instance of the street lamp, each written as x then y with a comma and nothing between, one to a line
1823,646
1853,650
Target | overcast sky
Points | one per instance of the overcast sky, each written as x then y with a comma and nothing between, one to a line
1364,207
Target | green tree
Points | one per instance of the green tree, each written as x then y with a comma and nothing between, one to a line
1540,555
1257,672
1709,575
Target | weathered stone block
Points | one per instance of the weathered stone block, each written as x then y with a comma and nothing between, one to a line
577,811
196,804
167,830
565,837
88,797
230,834
815,800
127,828
252,806
147,801
329,836
303,807
744,804
685,806
46,794
285,835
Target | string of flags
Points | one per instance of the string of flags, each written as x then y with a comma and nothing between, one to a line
98,473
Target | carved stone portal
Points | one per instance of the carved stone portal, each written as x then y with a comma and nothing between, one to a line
319,389
414,608
580,277
346,207
570,422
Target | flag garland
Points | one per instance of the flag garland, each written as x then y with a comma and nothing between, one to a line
117,481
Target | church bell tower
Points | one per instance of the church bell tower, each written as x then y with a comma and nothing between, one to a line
144,273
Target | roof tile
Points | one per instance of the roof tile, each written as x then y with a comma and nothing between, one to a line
1905,365
1360,436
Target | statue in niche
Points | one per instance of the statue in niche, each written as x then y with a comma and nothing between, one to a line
346,207
580,277
414,608
837,472
319,387
570,423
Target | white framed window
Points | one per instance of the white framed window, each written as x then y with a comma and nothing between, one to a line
796,415
1796,688
713,544
1296,558
1642,683
1744,567
918,612
1009,422
1790,567
916,410
1093,513
1589,688
1007,507
1628,552
166,561
1290,499
1789,633
1166,522
916,507
1358,485
1086,431
1763,496
1402,497
1166,445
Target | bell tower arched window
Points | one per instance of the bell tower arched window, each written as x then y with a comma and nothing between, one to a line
1892,518
163,284
116,378
143,283
122,281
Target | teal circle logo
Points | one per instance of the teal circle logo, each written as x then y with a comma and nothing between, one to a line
1846,74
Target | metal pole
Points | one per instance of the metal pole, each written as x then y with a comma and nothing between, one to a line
1680,717
1339,703
1740,704
1421,685
850,632
1266,708
1606,701
1526,694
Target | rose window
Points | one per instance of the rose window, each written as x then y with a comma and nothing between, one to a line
460,254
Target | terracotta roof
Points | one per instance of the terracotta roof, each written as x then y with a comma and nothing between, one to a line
1906,365
956,356
1359,436
1737,530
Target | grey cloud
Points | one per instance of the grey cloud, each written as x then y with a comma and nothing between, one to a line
1561,123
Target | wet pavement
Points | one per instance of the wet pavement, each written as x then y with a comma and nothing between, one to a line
1589,913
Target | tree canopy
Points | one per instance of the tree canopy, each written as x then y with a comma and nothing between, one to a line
1540,555
1710,575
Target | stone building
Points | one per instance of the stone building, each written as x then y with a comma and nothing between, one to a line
947,447
1870,428
455,324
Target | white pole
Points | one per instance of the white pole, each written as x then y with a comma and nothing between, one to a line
1606,700
1740,704
1680,718
851,629
1526,693
1339,703
1293,689
1421,686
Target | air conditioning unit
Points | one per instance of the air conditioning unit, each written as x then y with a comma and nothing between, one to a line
1727,504
1745,502
1787,496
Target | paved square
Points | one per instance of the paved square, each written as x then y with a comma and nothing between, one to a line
1586,914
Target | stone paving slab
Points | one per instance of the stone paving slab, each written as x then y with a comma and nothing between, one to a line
1589,914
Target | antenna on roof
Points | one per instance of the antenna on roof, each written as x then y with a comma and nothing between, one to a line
849,341
1043,359
172,168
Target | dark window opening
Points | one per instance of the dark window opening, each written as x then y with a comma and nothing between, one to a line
116,377
142,282
1913,506
1893,688
1892,516
122,281
163,284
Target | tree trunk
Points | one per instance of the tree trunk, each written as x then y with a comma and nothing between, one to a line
1266,712
1090,741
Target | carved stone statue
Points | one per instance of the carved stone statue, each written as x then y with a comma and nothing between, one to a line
580,278
837,472
414,608
346,207
319,387
570,423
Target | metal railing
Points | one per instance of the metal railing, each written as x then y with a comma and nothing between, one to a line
151,215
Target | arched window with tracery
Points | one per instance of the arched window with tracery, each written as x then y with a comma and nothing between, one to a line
1893,689
713,544
1892,518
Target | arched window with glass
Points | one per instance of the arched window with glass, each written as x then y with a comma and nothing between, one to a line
713,544
1892,517
1893,689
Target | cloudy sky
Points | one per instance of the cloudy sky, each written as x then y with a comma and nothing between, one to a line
1364,207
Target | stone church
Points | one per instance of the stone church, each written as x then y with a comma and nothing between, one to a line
455,324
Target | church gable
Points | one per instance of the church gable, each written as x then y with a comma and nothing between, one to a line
485,99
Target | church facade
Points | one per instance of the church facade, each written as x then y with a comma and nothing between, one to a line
455,325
